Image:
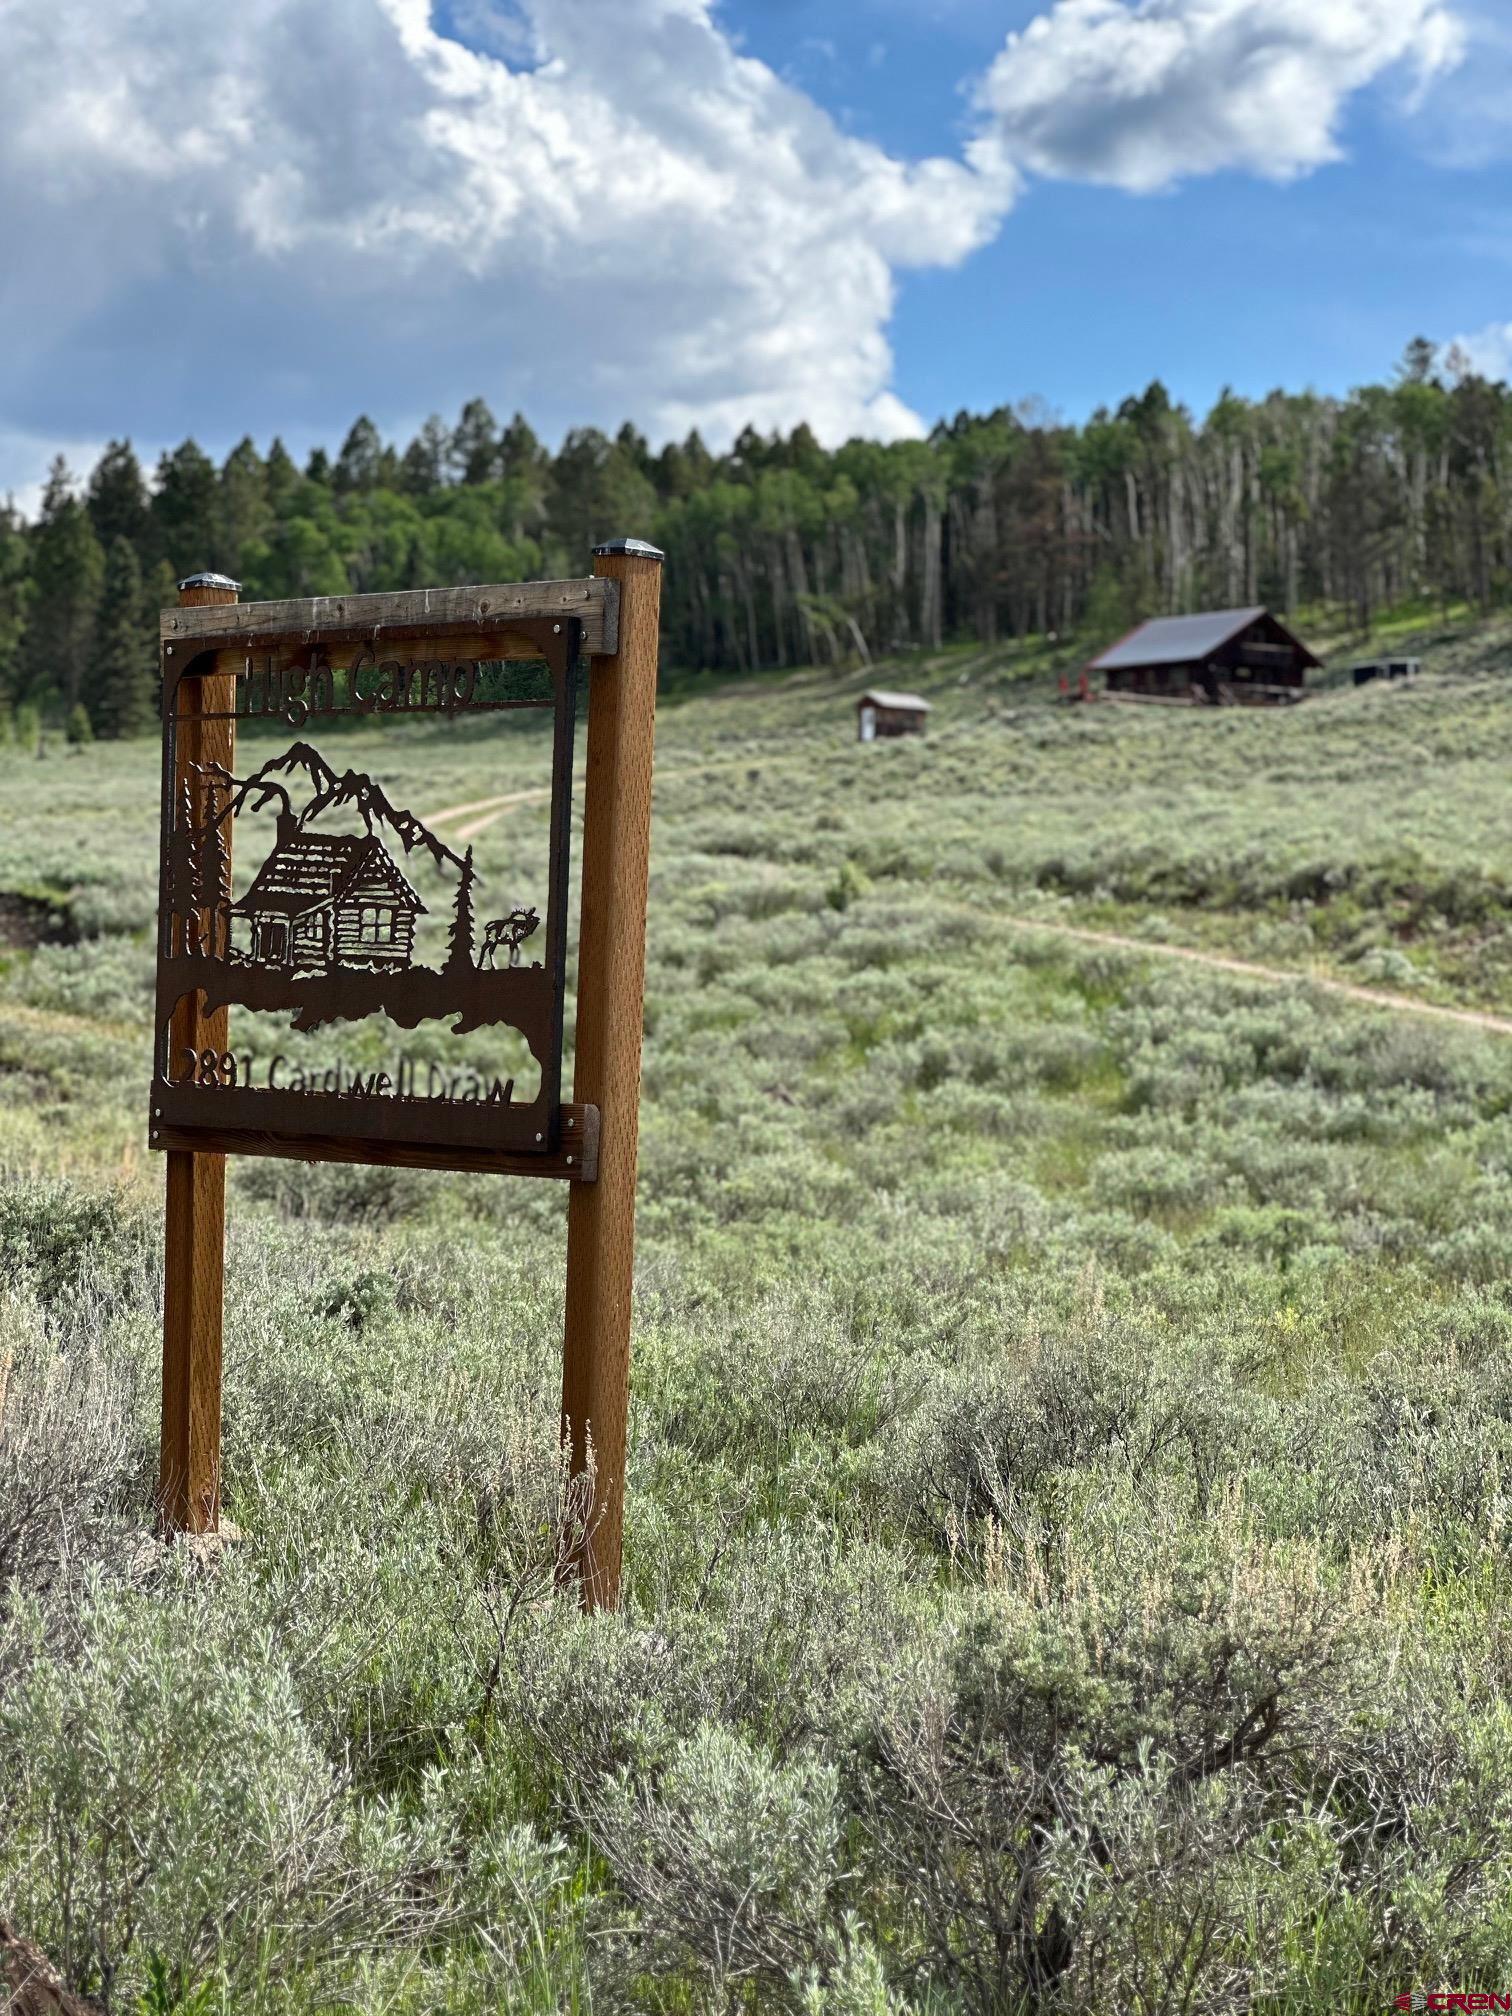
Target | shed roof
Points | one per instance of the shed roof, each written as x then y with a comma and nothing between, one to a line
880,696
1177,640
306,871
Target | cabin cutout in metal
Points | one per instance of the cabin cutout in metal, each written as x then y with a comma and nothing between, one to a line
321,901
1223,657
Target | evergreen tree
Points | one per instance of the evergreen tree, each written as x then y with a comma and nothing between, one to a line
358,464
125,670
475,445
423,468
526,468
700,463
184,512
15,595
681,470
597,490
572,498
159,592
245,517
805,454
67,570
520,453
282,480
752,452
634,448
117,499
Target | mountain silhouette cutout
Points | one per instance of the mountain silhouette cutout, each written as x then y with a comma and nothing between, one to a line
328,791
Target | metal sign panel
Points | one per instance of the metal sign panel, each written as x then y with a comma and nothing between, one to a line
391,997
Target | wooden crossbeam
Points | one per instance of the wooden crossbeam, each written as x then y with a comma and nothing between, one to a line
408,612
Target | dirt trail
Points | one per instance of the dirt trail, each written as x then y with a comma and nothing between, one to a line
495,808
492,809
1249,969
450,812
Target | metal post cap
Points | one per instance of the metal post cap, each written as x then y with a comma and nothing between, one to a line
210,581
638,549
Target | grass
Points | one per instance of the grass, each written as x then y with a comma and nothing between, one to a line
1070,1428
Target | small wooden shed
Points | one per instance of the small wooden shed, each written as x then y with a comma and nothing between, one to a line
882,713
1221,657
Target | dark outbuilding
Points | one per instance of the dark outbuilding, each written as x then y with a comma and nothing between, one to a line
1226,656
1386,668
882,713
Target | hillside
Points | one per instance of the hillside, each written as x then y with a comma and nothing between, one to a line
1065,1555
1010,523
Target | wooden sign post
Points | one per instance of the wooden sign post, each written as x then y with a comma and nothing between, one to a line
358,913
194,1235
607,1068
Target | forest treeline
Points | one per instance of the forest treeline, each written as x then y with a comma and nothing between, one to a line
784,552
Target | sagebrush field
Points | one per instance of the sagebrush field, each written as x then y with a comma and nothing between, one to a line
1072,1419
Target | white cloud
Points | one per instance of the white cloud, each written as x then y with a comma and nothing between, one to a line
32,457
291,210
296,210
1141,93
1488,351
1471,127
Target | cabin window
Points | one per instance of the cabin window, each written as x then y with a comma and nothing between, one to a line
376,927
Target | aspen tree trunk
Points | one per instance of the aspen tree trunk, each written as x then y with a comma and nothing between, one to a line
931,539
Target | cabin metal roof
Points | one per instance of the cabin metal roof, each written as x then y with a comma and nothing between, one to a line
309,870
1176,640
914,703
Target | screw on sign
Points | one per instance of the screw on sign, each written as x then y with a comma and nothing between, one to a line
381,1013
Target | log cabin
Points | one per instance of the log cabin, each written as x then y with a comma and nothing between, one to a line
1224,656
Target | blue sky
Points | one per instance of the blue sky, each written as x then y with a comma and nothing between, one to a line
1087,293
865,214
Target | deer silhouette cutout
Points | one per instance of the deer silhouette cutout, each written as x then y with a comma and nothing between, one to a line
510,931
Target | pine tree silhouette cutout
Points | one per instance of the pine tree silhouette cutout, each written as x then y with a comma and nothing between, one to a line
183,878
214,895
459,945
